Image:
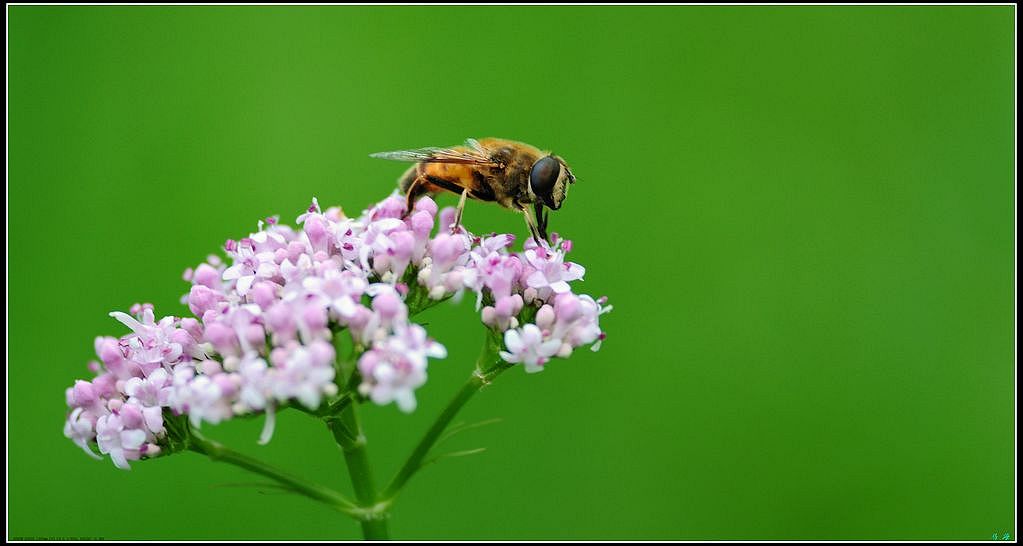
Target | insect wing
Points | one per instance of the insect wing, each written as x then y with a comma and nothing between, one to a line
476,147
476,154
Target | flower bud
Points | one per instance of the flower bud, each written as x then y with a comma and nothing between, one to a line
263,294
222,337
210,367
426,204
255,335
447,217
82,395
387,305
225,382
202,299
545,317
295,250
392,207
207,276
509,306
404,243
446,249
567,307
108,350
280,320
314,317
316,230
131,416
193,327
489,316
422,223
322,353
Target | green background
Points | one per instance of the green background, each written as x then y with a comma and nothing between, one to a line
802,215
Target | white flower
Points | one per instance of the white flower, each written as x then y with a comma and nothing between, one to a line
117,441
255,385
250,266
152,342
396,367
527,345
202,397
150,391
551,271
339,291
304,373
80,428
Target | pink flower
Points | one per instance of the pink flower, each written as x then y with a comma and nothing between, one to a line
498,272
201,298
444,268
389,314
576,321
268,319
203,397
376,240
395,367
392,207
420,225
317,230
337,291
314,209
550,271
84,395
206,275
152,343
305,373
392,262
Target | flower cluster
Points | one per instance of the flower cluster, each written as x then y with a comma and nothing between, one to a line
267,322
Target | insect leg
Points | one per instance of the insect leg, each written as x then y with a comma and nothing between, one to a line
458,211
416,189
541,219
531,222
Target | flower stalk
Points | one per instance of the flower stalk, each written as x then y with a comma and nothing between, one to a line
350,438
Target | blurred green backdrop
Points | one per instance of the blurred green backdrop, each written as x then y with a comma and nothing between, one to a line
802,215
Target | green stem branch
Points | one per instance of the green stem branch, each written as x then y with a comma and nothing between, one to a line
218,452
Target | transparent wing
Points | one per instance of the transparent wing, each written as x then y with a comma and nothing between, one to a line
473,153
476,147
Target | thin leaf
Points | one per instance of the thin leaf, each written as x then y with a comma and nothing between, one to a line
462,453
462,427
280,488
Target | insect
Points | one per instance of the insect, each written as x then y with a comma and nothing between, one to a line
512,174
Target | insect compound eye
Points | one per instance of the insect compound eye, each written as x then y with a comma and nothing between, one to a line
542,178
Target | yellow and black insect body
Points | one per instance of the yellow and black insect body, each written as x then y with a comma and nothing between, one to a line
512,174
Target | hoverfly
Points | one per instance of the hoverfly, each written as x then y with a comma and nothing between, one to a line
512,174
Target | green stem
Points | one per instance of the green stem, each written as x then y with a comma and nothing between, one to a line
348,433
218,452
415,460
483,375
